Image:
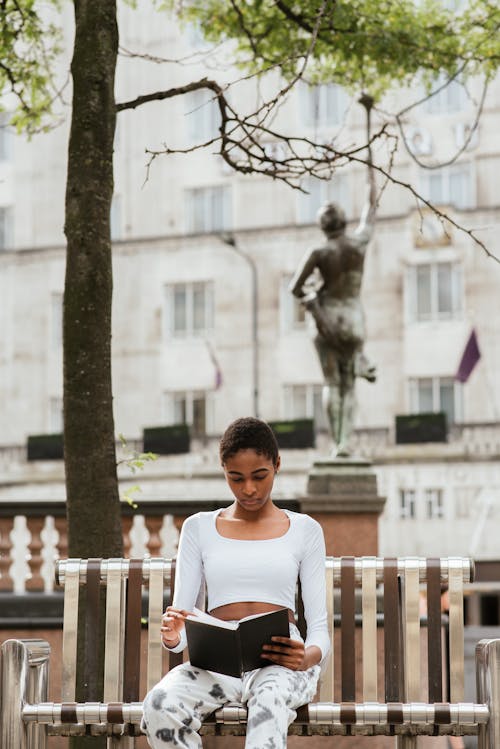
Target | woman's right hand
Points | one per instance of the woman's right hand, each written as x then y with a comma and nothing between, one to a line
172,624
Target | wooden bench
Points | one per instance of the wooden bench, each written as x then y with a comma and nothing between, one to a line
391,671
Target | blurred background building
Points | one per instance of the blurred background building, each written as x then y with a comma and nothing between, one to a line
206,331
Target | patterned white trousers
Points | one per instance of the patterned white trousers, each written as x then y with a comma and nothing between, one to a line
175,708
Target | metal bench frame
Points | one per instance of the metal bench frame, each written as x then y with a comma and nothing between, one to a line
415,699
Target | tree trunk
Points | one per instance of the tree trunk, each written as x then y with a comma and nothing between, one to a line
89,439
93,503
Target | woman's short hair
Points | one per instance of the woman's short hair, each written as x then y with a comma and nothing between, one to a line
249,433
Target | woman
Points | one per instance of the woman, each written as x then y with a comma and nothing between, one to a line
250,556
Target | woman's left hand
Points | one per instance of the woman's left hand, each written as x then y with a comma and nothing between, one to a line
286,652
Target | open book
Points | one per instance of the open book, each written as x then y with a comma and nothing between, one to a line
233,647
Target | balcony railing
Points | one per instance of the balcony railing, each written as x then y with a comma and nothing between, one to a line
467,441
473,439
33,535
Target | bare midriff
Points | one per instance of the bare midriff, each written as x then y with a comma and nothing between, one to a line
234,611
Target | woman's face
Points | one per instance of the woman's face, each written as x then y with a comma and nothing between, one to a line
250,477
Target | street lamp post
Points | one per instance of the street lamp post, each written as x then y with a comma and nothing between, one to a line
230,241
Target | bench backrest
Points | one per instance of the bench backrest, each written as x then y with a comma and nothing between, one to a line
385,651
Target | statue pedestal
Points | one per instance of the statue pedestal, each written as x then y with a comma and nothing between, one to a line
342,496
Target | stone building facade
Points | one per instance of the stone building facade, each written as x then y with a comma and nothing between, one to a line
184,345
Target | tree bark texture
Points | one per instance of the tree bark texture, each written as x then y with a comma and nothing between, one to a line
93,503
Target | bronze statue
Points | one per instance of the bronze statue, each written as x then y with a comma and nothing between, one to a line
337,312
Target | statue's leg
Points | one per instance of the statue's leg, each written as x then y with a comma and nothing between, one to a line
348,400
332,399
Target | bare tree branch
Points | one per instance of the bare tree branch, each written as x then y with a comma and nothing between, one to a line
460,150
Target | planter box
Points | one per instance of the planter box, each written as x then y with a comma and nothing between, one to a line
45,447
296,433
426,427
169,440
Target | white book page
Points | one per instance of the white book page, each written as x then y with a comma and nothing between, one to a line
256,616
202,616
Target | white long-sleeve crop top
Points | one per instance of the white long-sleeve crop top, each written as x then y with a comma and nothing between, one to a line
254,570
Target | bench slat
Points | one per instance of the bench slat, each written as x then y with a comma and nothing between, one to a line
92,623
391,631
369,629
113,662
132,665
348,629
411,625
327,678
456,601
70,629
155,647
434,633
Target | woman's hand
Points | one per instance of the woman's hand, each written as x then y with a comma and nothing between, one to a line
172,624
287,652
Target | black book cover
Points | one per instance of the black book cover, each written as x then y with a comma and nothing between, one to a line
233,648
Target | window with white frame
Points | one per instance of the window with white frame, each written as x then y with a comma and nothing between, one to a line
453,185
305,402
193,407
293,313
5,227
56,415
189,308
318,192
451,97
322,106
435,291
208,209
407,504
433,499
202,115
435,394
56,319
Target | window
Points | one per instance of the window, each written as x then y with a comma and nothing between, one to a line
305,402
5,228
323,106
433,394
189,308
465,499
435,291
56,415
293,313
450,98
319,192
56,320
434,503
189,407
451,186
407,505
203,116
208,209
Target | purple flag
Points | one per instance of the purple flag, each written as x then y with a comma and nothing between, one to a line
470,358
218,372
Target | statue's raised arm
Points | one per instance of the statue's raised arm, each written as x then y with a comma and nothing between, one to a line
335,305
367,221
